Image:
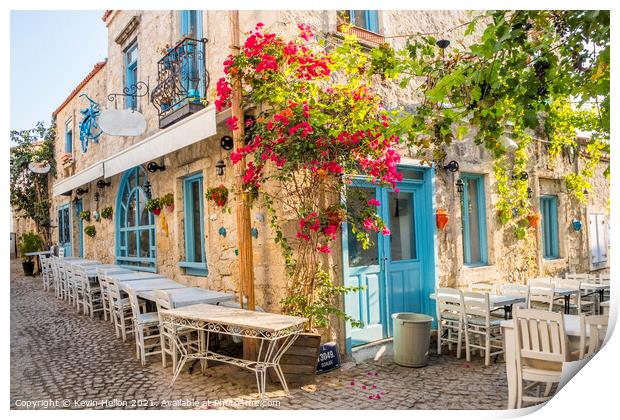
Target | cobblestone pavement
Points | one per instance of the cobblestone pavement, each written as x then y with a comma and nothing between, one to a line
64,358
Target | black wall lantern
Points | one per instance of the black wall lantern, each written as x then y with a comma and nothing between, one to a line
81,191
101,184
154,167
443,43
96,196
523,176
459,185
219,167
452,166
529,192
227,143
147,189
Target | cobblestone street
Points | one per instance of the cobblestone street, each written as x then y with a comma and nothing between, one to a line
59,355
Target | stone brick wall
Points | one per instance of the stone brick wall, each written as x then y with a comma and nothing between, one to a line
509,260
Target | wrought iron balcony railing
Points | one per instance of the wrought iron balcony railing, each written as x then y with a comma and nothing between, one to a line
182,81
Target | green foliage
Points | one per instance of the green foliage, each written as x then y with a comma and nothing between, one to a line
90,230
29,191
153,203
29,242
85,215
106,213
167,200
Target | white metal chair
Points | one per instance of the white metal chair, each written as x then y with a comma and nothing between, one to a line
542,295
576,301
449,305
541,351
593,332
522,290
146,327
482,330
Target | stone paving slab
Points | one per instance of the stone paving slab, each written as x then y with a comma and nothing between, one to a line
62,359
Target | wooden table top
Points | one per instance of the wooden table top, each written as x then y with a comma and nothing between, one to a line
260,321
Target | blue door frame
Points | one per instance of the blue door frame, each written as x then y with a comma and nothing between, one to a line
80,234
64,229
393,286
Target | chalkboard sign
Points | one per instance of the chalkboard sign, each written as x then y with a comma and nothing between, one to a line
329,359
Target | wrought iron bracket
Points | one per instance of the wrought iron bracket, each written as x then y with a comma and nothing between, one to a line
137,90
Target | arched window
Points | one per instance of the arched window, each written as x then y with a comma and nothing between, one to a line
135,225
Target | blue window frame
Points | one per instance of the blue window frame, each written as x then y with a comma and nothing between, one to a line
68,137
195,260
549,226
365,19
135,225
131,75
191,70
474,220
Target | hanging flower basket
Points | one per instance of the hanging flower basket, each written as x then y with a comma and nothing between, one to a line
441,218
154,205
90,230
167,201
85,215
219,195
107,213
533,219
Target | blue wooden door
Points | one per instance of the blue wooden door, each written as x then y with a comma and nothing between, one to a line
398,269
64,229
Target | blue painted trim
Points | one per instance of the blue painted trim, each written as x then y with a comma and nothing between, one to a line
78,210
549,226
370,16
482,220
131,75
123,230
67,244
68,137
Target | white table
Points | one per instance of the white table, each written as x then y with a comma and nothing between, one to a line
134,276
572,328
274,332
500,301
190,296
149,284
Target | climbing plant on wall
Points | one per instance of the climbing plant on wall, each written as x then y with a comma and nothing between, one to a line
30,191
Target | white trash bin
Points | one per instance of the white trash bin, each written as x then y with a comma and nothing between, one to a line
412,336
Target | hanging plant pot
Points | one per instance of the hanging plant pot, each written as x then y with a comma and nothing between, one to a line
156,211
168,202
154,206
90,230
219,195
576,225
533,220
85,215
441,218
96,215
520,232
107,213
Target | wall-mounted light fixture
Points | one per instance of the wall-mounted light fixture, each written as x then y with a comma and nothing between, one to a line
523,176
147,189
459,185
96,196
443,43
101,184
219,168
81,191
529,192
226,143
452,166
154,167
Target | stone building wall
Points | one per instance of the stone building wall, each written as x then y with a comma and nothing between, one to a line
509,260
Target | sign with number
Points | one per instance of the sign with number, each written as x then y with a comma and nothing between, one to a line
329,359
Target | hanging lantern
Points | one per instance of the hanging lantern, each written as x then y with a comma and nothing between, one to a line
219,168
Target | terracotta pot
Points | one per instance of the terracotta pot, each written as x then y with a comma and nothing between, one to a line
170,208
533,220
441,218
156,212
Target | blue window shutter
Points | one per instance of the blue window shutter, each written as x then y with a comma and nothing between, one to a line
185,16
131,74
372,20
549,227
480,220
68,141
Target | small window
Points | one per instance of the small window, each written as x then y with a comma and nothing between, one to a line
549,210
598,235
68,137
195,261
191,24
474,225
131,75
365,19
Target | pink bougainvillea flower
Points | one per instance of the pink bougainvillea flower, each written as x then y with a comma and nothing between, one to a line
368,224
385,231
363,386
377,397
374,387
370,397
231,123
259,25
374,202
369,373
352,383
324,249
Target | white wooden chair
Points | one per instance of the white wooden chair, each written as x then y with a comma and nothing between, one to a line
46,271
542,295
106,303
522,290
64,287
541,351
146,327
120,309
91,295
61,252
482,330
593,332
576,302
449,305
489,288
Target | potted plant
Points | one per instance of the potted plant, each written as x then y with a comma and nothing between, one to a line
96,216
168,202
107,213
219,195
154,205
441,218
90,230
85,215
533,219
29,242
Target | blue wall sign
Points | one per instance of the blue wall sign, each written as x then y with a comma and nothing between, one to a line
89,126
329,358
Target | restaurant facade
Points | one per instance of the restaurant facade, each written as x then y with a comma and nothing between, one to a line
159,65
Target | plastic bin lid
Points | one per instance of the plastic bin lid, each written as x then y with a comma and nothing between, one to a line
412,317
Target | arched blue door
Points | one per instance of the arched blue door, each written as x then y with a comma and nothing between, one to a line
135,225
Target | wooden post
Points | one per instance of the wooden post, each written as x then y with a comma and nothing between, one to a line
244,238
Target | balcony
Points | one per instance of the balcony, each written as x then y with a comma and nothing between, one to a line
182,81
